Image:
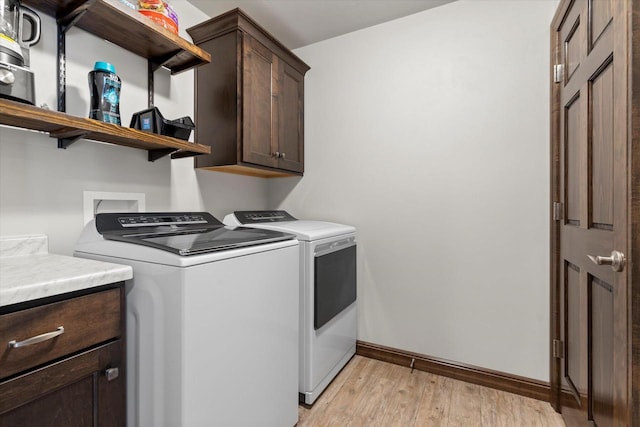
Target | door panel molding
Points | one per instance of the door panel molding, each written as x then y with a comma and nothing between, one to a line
601,302
601,184
574,376
601,13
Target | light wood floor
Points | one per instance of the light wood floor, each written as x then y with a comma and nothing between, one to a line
372,393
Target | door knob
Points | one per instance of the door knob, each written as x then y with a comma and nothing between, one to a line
616,260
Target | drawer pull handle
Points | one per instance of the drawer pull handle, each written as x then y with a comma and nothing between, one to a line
37,339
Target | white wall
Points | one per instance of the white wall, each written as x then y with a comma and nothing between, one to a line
41,187
430,135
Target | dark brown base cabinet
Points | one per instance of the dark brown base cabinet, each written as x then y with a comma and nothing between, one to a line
249,101
76,378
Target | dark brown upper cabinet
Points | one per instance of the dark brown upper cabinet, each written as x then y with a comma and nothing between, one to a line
249,101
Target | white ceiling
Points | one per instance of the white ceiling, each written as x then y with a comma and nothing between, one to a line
298,23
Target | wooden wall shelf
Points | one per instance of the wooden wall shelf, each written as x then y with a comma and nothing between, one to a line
69,128
125,27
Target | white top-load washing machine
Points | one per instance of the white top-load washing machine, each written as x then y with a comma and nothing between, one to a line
328,316
212,318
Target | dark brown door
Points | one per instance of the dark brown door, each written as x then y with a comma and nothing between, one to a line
590,164
259,108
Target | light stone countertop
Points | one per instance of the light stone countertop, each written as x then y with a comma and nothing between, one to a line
29,272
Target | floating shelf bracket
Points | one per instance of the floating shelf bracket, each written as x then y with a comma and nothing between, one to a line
62,68
67,136
180,154
159,153
151,68
153,64
64,22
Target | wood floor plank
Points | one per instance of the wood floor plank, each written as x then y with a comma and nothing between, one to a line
372,408
540,413
353,365
371,393
495,408
367,400
505,410
337,411
403,402
304,411
465,405
433,409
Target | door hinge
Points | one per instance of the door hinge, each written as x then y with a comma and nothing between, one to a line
557,211
557,73
558,349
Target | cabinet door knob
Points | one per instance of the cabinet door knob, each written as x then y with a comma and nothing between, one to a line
282,155
112,373
276,154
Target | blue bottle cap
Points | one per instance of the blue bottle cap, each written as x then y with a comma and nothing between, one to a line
104,66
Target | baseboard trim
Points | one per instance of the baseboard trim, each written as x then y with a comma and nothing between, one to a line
485,377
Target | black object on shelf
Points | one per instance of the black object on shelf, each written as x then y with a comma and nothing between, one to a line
151,120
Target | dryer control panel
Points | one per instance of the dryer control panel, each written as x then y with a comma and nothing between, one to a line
254,217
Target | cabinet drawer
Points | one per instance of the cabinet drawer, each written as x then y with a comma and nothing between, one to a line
87,320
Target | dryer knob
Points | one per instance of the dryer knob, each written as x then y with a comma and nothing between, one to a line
7,77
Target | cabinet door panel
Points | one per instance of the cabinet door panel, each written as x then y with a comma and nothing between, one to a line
291,126
71,405
71,392
259,79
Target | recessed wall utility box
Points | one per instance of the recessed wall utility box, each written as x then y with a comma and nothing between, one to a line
104,201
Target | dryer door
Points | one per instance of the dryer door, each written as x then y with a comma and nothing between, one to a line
334,279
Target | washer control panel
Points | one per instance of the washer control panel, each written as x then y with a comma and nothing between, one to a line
126,222
154,220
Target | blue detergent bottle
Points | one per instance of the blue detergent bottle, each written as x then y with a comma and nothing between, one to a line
105,85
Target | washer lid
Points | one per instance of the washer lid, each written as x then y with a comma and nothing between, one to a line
183,233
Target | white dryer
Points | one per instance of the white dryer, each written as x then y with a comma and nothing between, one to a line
212,318
328,310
